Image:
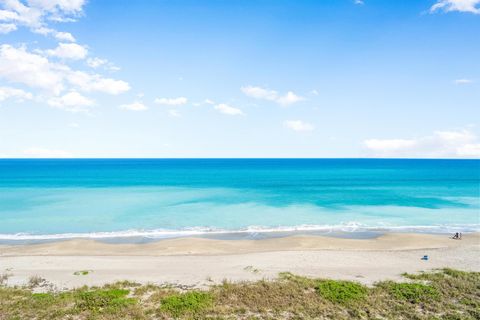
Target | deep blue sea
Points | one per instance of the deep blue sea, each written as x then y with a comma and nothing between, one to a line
157,198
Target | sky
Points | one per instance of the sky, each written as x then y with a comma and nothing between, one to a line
236,78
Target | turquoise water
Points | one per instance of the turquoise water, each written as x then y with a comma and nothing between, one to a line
54,199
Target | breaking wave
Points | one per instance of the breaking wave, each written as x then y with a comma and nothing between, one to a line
202,231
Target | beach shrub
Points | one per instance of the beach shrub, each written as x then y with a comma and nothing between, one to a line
440,275
454,316
42,296
81,273
442,295
186,303
340,291
457,273
302,281
103,299
412,292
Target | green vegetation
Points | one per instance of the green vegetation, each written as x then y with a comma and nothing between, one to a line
98,300
341,291
186,303
445,294
81,273
413,292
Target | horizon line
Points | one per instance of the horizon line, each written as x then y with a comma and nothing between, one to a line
234,158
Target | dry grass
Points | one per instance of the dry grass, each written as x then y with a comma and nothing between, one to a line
446,294
36,281
4,278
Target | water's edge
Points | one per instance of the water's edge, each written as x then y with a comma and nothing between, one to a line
253,233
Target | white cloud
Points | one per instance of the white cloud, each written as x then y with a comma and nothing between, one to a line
61,84
298,125
441,144
314,92
19,65
72,101
35,14
206,101
69,51
469,151
171,101
174,113
6,15
271,95
226,109
34,70
111,67
289,98
471,6
64,36
260,93
13,93
94,82
7,27
44,31
59,6
135,106
360,2
46,153
97,63
463,81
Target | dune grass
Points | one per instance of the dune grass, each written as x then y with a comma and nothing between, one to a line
189,303
444,294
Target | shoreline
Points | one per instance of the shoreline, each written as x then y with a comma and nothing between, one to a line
201,262
142,237
212,246
222,236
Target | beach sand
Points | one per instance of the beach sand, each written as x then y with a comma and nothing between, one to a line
200,262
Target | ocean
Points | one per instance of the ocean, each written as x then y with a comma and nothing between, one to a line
160,198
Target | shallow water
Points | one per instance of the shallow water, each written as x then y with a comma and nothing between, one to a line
58,199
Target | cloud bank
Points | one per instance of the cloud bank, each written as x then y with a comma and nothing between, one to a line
46,153
48,72
441,144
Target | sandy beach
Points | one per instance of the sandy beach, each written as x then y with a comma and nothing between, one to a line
200,262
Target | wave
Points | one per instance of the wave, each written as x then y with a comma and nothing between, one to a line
201,231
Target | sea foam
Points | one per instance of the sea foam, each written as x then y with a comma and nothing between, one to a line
201,231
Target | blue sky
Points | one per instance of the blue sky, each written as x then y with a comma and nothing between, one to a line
266,78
